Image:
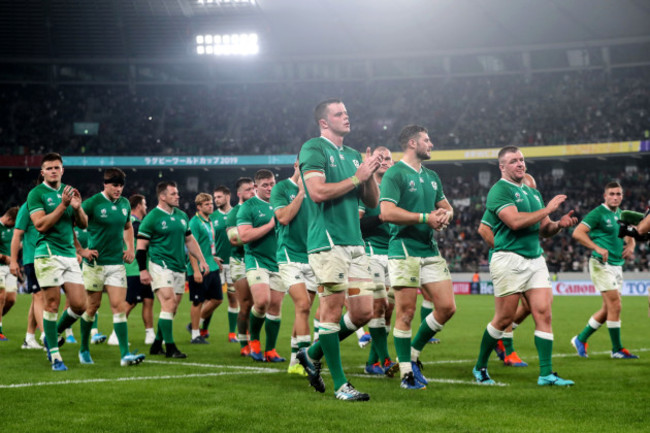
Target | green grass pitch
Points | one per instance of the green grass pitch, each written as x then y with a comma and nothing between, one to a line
215,389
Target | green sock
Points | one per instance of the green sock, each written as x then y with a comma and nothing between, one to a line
272,329
159,334
487,346
49,328
508,343
95,321
165,326
372,356
425,310
615,336
255,326
428,328
206,322
67,320
544,351
86,324
0,328
379,340
586,333
316,349
332,350
402,341
232,320
122,331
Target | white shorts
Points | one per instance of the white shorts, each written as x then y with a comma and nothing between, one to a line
380,276
226,277
512,273
264,276
54,271
416,271
336,268
296,273
237,269
96,277
8,281
605,277
163,277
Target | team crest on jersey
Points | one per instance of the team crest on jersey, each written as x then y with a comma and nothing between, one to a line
412,187
292,197
356,163
124,212
332,163
184,223
538,200
434,185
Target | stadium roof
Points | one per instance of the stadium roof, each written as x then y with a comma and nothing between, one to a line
48,29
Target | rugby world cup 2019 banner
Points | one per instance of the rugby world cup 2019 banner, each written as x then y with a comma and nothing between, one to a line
585,288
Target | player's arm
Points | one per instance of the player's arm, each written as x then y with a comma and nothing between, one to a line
198,277
287,213
16,244
548,228
141,258
516,220
628,250
446,216
194,250
391,213
129,254
86,253
581,234
248,233
486,233
644,226
233,237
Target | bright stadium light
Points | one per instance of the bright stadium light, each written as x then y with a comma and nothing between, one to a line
235,44
226,2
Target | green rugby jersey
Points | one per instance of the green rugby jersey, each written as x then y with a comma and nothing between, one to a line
261,252
24,223
333,222
292,238
415,192
603,231
231,221
221,243
166,234
203,231
59,240
376,238
106,221
6,233
524,242
82,236
132,269
490,220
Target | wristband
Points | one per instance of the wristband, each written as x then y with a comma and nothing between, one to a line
424,218
141,257
355,180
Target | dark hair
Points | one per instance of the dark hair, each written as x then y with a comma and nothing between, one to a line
114,175
263,174
52,156
613,184
507,149
409,132
222,189
320,112
162,186
135,200
12,212
241,181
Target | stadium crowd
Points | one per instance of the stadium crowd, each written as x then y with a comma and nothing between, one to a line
272,118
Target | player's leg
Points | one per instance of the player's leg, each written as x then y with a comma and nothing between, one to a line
213,298
3,297
197,299
274,318
258,280
405,305
94,300
301,332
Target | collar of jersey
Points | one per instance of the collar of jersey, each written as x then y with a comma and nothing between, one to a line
163,210
607,207
263,201
49,187
512,183
104,195
330,142
418,172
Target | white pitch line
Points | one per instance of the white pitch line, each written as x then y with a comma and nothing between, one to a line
125,379
429,379
234,367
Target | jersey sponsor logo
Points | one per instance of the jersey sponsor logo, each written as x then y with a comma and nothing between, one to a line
114,207
172,218
341,156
